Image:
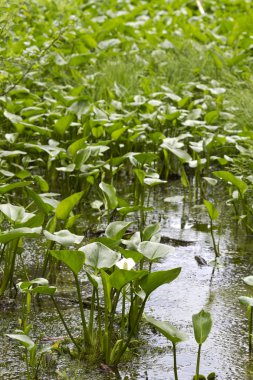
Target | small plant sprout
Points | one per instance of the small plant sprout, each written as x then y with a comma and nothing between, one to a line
171,333
202,324
33,351
248,301
213,215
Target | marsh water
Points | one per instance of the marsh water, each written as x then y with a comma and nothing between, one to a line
215,288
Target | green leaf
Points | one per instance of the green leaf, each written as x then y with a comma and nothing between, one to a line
212,210
116,230
202,324
63,237
211,181
73,259
23,339
107,290
110,195
14,119
81,157
169,331
153,251
42,183
25,285
121,277
150,231
15,214
76,146
211,117
66,205
140,174
8,187
36,221
45,290
7,236
63,123
248,280
153,181
153,280
248,301
229,177
39,202
99,256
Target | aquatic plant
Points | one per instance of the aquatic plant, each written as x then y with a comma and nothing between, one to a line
248,301
213,215
171,333
121,286
202,324
34,351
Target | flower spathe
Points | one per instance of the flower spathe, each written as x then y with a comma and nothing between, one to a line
126,264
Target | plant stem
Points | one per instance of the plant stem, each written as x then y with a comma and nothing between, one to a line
131,333
64,324
216,250
27,365
91,321
85,330
250,328
198,362
175,361
122,327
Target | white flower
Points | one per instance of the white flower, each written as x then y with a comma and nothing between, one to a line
126,264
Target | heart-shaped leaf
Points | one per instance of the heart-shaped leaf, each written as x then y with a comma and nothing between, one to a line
99,256
153,251
73,259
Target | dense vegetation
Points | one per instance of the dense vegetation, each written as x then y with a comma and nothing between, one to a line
97,96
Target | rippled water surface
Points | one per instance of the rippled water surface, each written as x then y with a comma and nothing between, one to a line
215,288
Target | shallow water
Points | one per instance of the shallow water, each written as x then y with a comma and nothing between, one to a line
214,288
